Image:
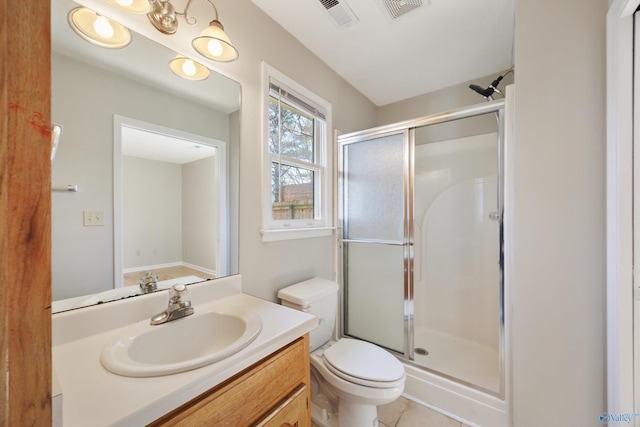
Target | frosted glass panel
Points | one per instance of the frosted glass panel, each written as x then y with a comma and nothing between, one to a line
375,294
374,180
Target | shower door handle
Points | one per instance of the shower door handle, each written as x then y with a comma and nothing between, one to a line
378,241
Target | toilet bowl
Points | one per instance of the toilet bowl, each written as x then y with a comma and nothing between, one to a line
350,378
361,376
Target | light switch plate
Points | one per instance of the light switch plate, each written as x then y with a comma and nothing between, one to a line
93,218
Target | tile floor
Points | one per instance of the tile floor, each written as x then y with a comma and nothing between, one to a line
405,413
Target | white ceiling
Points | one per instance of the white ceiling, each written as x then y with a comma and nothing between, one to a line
162,148
440,44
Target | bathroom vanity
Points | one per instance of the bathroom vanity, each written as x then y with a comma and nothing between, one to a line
265,383
273,392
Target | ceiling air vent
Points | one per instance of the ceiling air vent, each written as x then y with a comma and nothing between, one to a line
397,8
340,11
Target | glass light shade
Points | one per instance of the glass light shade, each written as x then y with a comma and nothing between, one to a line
133,6
214,43
188,68
97,29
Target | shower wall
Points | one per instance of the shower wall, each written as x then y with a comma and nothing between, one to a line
455,242
456,259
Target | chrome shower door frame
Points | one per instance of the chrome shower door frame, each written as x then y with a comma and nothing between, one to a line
407,129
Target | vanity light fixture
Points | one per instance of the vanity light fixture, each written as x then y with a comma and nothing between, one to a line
212,43
188,68
97,29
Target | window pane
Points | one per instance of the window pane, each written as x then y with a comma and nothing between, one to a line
292,192
290,131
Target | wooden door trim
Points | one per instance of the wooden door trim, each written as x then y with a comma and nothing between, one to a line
25,213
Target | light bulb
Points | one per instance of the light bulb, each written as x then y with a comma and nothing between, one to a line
214,47
103,27
125,2
189,67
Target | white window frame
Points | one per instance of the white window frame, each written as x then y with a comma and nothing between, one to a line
274,230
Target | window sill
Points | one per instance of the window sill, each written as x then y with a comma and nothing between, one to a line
295,233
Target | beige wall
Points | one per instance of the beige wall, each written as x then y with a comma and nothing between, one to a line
200,213
267,267
152,214
559,208
170,213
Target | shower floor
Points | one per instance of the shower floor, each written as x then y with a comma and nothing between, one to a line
458,358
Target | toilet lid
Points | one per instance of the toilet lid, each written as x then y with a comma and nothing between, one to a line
363,360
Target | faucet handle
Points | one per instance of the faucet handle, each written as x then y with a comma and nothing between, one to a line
149,282
176,292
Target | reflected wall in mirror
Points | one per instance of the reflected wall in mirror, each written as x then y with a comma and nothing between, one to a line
170,190
102,97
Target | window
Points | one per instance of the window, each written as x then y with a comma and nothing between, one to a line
296,171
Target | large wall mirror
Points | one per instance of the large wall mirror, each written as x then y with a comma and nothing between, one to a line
154,159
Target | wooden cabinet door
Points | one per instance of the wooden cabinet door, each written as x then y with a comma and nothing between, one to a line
291,413
244,399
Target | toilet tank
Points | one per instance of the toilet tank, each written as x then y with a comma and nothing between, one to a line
318,297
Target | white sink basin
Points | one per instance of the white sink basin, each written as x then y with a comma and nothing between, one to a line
142,350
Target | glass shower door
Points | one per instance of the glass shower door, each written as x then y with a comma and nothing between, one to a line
374,238
456,277
420,203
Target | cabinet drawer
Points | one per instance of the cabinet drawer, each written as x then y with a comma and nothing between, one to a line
245,398
293,412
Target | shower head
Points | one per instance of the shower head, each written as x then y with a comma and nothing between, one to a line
484,92
493,87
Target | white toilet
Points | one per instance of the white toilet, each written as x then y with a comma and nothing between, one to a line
349,378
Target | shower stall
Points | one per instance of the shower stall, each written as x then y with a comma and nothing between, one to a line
421,248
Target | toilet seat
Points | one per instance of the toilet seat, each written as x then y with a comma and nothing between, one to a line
363,363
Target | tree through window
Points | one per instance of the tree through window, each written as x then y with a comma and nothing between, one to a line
295,129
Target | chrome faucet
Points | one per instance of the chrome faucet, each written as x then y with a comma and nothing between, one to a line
176,309
149,282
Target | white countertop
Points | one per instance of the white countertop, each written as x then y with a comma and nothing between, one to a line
93,396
